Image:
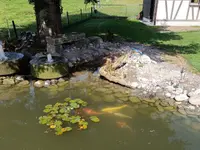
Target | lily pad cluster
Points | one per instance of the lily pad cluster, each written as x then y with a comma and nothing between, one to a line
62,117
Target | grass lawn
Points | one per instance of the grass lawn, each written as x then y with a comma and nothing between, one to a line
186,43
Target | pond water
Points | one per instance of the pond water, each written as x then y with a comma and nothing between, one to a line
146,128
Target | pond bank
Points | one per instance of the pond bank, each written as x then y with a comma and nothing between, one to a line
147,72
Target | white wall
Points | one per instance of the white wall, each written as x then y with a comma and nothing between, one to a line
175,17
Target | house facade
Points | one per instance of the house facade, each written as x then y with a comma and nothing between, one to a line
172,12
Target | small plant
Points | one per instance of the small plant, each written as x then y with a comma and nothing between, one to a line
61,117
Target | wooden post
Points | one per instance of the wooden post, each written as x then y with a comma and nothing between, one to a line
67,18
15,30
81,14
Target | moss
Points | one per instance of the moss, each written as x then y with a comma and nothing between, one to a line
8,68
49,71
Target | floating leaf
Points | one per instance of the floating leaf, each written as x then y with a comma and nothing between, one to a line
94,119
59,132
81,102
48,106
66,129
67,99
65,117
65,113
74,105
58,123
62,110
58,104
44,119
52,126
75,119
47,110
72,101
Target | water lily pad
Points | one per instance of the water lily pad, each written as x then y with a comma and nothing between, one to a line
58,123
47,110
94,119
75,119
48,106
44,119
67,129
74,105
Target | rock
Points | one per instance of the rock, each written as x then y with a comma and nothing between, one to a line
196,92
125,99
8,81
182,111
143,105
181,97
101,90
109,98
39,84
63,83
144,59
61,80
150,100
164,103
47,83
23,83
160,108
171,102
170,88
134,84
195,100
170,108
178,91
53,81
19,78
134,99
168,95
195,126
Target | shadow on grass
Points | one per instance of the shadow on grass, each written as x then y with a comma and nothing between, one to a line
129,30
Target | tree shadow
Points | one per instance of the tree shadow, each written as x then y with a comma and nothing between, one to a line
122,29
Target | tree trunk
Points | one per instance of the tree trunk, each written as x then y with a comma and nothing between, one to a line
48,17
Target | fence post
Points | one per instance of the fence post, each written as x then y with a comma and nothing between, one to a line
91,11
81,14
15,30
67,18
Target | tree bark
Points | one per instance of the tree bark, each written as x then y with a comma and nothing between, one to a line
48,17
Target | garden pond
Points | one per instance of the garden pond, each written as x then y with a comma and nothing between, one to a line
124,124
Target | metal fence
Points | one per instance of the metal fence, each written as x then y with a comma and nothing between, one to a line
104,11
78,16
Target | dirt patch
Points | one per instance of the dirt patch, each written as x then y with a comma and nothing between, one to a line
179,28
181,62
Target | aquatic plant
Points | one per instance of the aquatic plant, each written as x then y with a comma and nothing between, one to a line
62,117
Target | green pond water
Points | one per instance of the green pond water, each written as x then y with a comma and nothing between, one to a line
148,129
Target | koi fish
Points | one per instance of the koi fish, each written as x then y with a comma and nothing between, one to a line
112,109
124,125
122,115
91,112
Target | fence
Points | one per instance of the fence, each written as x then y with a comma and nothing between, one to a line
78,16
104,11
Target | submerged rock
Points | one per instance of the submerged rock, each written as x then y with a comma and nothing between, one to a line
134,99
8,81
23,83
39,84
160,108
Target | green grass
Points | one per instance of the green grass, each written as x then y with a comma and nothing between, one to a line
186,43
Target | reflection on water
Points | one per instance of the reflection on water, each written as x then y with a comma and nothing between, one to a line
30,104
145,128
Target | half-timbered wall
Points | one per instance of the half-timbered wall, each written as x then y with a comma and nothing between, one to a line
177,13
